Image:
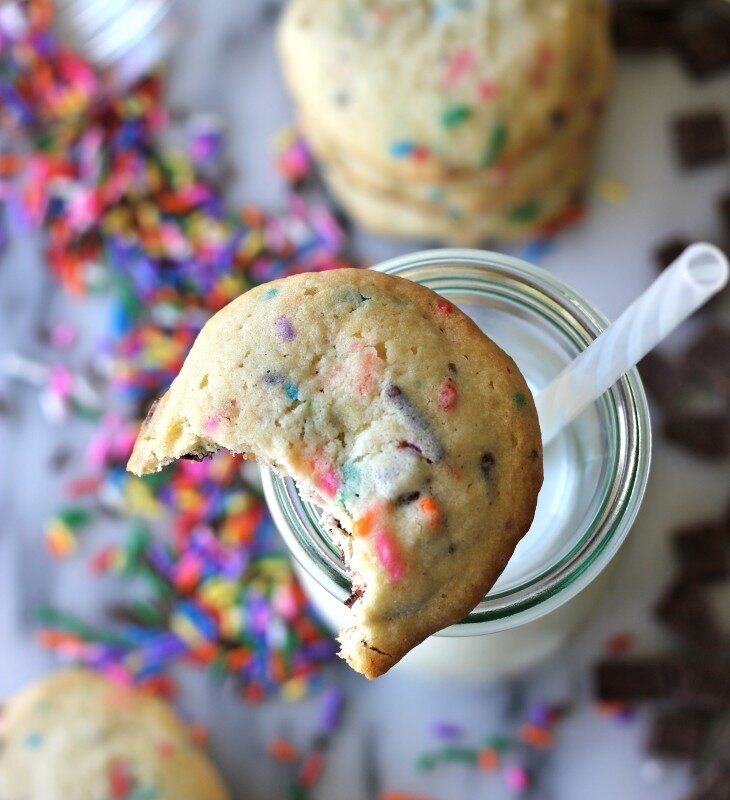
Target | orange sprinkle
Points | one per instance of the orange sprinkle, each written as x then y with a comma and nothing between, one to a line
431,509
536,735
364,525
282,750
401,796
488,759
610,707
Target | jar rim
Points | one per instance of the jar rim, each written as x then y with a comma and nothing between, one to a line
624,408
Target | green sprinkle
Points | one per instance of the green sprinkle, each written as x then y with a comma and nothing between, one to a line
298,793
525,213
455,115
271,292
426,762
495,144
467,755
150,793
74,516
520,399
498,743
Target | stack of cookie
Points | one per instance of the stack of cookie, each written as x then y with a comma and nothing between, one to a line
457,120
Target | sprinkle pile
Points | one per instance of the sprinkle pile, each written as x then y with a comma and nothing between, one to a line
121,212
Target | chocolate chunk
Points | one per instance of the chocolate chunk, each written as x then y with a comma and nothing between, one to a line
702,685
669,250
701,138
637,29
357,593
704,50
723,206
708,358
406,498
705,434
685,610
702,553
713,784
428,442
486,463
679,733
662,379
636,679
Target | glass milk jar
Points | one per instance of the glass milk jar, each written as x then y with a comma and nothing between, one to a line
595,476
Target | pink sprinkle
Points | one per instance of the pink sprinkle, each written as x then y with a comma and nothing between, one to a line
448,397
63,335
517,778
459,63
487,90
329,482
387,549
61,380
210,424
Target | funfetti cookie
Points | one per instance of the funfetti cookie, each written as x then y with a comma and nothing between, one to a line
393,412
78,736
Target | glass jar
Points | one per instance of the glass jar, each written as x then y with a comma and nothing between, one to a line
595,476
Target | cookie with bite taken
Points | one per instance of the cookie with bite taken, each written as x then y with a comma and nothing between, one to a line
391,410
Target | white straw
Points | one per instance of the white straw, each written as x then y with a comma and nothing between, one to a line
688,283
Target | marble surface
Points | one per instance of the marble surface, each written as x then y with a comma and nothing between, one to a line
227,65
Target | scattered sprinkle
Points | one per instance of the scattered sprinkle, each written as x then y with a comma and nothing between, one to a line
495,144
455,115
283,750
612,190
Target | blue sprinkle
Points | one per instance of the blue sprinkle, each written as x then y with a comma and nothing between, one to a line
537,249
401,148
34,740
271,292
291,390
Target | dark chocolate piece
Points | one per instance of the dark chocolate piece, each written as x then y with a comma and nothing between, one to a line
713,784
636,679
708,358
701,138
679,733
486,463
685,611
662,379
723,206
639,30
669,250
406,498
702,552
428,442
705,434
704,50
700,685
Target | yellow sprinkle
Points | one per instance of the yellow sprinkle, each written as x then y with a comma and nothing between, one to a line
231,622
612,190
140,499
294,689
219,593
186,630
